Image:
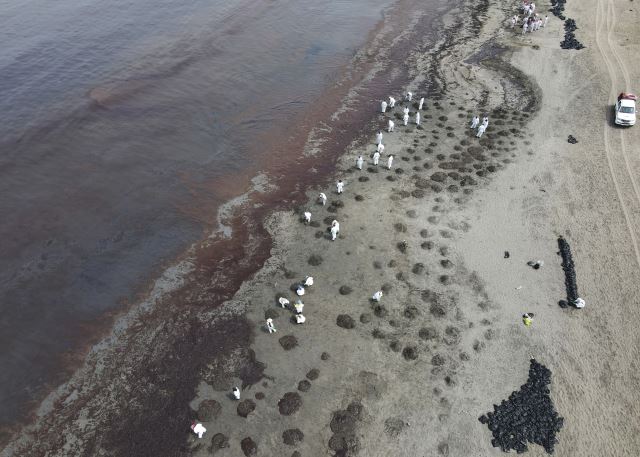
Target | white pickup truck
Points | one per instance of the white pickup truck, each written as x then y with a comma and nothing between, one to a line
625,109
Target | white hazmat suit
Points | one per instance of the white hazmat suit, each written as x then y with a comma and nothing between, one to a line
198,429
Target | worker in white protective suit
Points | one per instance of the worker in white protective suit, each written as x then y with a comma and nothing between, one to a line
322,198
198,429
379,137
421,103
335,229
475,121
381,148
283,302
307,217
270,327
236,393
389,162
392,102
409,96
340,186
405,119
383,107
377,296
308,281
359,162
376,157
481,130
391,126
417,118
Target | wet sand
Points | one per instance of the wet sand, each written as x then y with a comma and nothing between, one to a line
412,374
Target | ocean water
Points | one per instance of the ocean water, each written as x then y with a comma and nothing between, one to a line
124,125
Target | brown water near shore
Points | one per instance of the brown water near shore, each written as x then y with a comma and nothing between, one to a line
224,263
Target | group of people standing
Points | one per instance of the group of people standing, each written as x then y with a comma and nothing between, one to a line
475,123
390,128
531,21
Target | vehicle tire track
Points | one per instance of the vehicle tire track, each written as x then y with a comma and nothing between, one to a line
604,25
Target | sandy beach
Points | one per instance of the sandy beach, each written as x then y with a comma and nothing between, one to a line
412,374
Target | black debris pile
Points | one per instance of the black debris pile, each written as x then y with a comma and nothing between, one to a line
569,270
572,139
557,8
570,41
528,416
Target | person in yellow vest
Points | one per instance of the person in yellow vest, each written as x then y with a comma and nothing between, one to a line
527,319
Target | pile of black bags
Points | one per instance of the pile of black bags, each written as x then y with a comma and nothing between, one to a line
569,270
570,41
528,416
557,8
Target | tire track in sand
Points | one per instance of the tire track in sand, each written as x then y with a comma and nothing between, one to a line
605,22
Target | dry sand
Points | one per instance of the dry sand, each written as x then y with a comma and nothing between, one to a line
413,375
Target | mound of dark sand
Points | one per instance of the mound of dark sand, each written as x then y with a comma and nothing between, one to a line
288,342
290,403
245,407
428,333
304,386
219,441
379,310
345,290
249,447
427,245
315,260
313,374
411,312
410,352
208,410
292,437
438,360
345,321
343,422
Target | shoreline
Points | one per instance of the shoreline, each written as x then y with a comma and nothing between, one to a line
412,374
204,256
